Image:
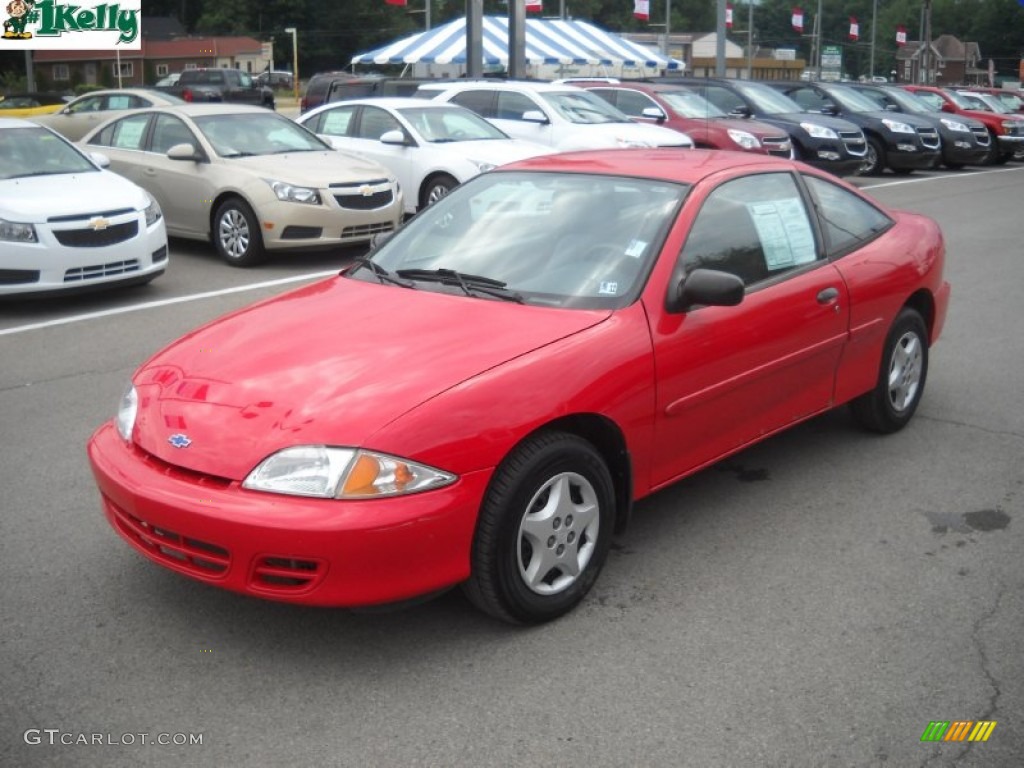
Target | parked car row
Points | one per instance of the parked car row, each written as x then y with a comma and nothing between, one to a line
253,182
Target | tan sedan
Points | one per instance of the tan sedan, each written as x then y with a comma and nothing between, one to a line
83,114
248,179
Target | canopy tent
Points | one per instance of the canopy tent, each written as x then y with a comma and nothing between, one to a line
548,42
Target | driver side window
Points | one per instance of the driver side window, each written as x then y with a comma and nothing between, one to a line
756,228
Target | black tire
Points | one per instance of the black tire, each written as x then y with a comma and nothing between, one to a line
549,511
874,160
901,377
435,188
994,156
236,234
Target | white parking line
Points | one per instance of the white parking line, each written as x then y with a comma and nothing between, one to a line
165,302
919,179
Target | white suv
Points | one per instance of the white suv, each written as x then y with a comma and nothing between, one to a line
561,116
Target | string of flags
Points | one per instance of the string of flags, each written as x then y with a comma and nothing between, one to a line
642,11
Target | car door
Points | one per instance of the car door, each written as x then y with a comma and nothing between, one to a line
183,188
77,119
730,375
372,123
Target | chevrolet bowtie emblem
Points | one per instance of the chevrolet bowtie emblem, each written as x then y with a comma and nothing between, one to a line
365,190
96,223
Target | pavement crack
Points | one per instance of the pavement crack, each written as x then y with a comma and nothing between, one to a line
968,425
62,377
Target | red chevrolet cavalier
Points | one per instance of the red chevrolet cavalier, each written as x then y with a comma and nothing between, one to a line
483,398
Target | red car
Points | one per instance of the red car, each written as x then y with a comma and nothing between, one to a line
684,110
1007,131
482,399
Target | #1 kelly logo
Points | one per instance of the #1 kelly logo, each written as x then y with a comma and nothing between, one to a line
52,25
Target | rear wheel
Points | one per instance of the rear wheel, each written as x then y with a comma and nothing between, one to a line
901,378
544,530
236,234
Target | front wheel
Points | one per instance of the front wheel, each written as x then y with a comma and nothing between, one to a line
544,530
874,158
236,234
891,404
435,188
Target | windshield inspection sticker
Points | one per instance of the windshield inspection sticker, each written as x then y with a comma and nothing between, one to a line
636,249
608,288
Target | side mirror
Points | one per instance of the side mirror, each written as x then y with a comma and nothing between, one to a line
947,107
100,159
706,287
182,152
535,116
741,111
654,113
395,137
830,109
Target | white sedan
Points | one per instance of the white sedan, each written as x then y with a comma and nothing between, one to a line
65,222
430,146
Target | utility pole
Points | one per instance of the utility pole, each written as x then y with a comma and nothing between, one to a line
874,25
817,39
750,40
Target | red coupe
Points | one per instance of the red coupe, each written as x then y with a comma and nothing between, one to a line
482,399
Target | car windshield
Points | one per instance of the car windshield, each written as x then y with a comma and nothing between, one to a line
690,104
767,100
35,151
906,100
544,238
960,100
987,102
257,133
583,107
445,124
851,99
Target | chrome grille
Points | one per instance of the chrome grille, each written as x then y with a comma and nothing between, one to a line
101,270
365,230
854,142
356,201
97,238
929,137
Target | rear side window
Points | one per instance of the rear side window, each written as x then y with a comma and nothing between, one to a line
848,220
723,98
124,134
478,101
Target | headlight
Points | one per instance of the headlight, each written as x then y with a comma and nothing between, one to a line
819,131
896,126
289,193
1010,125
153,212
482,166
126,412
954,125
744,139
16,232
342,473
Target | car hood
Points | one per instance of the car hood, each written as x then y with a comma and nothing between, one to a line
914,121
835,123
600,135
34,199
314,169
330,363
498,151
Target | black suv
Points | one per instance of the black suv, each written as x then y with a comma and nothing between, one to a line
902,143
325,87
965,141
829,143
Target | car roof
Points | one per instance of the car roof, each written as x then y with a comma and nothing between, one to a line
19,122
665,164
502,85
388,102
197,110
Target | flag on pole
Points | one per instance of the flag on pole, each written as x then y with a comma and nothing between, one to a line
854,29
798,20
397,2
642,9
901,35
728,15
534,6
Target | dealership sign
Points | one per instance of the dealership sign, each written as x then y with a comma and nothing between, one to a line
56,26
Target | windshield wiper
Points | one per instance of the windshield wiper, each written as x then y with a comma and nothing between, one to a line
383,275
470,284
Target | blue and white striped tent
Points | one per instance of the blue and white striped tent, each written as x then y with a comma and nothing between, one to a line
548,41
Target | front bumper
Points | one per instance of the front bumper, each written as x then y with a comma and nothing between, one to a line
287,548
912,157
69,257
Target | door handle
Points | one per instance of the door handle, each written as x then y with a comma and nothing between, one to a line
828,295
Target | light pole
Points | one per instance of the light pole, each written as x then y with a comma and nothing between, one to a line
295,59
